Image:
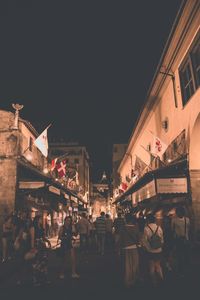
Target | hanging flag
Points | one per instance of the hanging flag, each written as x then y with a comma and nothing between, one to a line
61,168
42,142
134,173
128,179
140,165
53,163
71,184
122,188
77,178
158,146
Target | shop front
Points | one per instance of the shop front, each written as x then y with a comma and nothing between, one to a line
38,193
159,192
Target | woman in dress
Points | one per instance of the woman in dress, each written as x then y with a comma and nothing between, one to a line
7,238
66,250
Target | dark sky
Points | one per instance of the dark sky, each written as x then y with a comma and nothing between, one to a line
84,66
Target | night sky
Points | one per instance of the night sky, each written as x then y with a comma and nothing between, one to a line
84,66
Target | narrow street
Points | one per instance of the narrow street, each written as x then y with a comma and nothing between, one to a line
100,150
100,275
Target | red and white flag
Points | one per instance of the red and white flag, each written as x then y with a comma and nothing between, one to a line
53,164
61,168
123,187
158,147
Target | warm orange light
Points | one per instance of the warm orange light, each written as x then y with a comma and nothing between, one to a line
46,171
29,157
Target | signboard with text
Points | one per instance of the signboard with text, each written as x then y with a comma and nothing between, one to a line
172,185
31,184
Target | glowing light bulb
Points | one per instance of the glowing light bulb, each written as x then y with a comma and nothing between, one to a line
45,171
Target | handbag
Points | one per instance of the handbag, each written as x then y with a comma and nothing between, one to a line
76,241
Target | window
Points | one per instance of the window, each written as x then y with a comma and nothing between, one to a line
175,146
196,63
190,72
187,82
30,144
149,147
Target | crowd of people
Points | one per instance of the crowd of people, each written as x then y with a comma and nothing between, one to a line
143,249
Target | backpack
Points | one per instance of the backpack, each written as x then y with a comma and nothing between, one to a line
155,241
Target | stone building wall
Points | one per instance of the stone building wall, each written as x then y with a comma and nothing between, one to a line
9,149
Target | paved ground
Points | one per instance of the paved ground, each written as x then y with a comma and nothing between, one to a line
100,275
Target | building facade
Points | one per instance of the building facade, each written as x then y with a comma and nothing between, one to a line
75,156
25,179
118,153
165,144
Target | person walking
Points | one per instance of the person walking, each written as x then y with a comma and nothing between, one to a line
181,226
7,238
48,225
101,232
83,228
92,234
168,245
24,243
141,222
153,241
66,249
40,270
109,233
129,239
118,224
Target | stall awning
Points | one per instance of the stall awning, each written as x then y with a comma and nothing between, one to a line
32,178
168,179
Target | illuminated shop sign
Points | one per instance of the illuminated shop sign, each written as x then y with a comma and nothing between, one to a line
145,192
31,184
54,190
172,185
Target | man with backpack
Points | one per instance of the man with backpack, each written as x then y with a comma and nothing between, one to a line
153,241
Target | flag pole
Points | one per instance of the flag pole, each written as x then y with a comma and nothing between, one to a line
49,126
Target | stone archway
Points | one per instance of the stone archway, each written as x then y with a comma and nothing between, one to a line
194,168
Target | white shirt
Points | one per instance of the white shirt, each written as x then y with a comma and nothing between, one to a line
147,235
